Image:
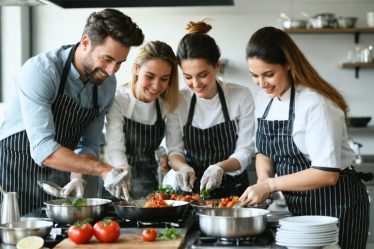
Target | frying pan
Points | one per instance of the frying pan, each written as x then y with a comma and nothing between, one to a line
139,213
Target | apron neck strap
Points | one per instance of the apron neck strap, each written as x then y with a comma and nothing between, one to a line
223,104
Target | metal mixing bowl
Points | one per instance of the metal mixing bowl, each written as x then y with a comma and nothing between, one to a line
233,222
12,232
62,214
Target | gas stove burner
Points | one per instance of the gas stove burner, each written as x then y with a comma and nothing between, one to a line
264,240
236,241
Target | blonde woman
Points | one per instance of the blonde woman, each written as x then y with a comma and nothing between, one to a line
135,124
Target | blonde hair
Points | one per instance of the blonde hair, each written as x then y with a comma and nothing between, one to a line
276,47
160,50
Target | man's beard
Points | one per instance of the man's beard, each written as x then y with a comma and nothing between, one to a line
90,74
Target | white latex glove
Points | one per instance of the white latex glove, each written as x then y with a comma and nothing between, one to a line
212,177
186,177
117,182
75,187
114,178
126,169
121,190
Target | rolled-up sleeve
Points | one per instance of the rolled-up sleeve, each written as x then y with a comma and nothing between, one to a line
36,92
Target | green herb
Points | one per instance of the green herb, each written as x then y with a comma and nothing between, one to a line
169,233
204,194
166,190
79,202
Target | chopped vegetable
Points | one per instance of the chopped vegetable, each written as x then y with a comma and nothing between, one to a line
166,190
204,194
169,233
79,202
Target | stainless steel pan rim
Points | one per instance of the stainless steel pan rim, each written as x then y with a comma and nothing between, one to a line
233,222
12,232
95,209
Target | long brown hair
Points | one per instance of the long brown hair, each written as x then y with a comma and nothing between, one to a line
160,50
274,46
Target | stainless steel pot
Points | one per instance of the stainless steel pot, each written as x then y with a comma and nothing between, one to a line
347,22
294,24
323,20
60,213
233,222
12,232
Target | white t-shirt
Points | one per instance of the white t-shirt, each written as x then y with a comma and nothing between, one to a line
319,130
126,105
208,112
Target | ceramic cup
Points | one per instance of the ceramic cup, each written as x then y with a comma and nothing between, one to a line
370,19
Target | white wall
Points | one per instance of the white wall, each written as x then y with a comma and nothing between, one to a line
232,27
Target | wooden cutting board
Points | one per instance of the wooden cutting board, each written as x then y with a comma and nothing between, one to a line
126,240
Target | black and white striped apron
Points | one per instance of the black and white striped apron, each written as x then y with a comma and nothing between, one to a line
205,147
142,140
19,172
347,200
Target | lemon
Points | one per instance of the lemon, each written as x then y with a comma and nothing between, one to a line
30,242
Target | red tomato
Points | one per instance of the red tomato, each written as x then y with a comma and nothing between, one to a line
80,233
173,197
107,230
161,196
149,234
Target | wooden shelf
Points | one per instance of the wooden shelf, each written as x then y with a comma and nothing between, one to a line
365,129
355,31
357,66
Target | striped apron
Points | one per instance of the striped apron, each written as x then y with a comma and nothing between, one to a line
347,200
205,147
19,172
142,140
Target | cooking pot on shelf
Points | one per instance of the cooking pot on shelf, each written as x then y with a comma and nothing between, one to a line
347,22
233,222
136,212
95,209
294,24
323,20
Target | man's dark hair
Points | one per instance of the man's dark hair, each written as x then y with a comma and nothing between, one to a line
113,23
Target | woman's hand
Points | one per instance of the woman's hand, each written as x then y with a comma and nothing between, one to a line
255,194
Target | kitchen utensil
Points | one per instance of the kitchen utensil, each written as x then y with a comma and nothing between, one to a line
347,22
323,20
10,209
290,23
12,232
359,121
137,213
294,24
233,222
65,214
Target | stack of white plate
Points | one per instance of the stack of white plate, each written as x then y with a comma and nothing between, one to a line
308,232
